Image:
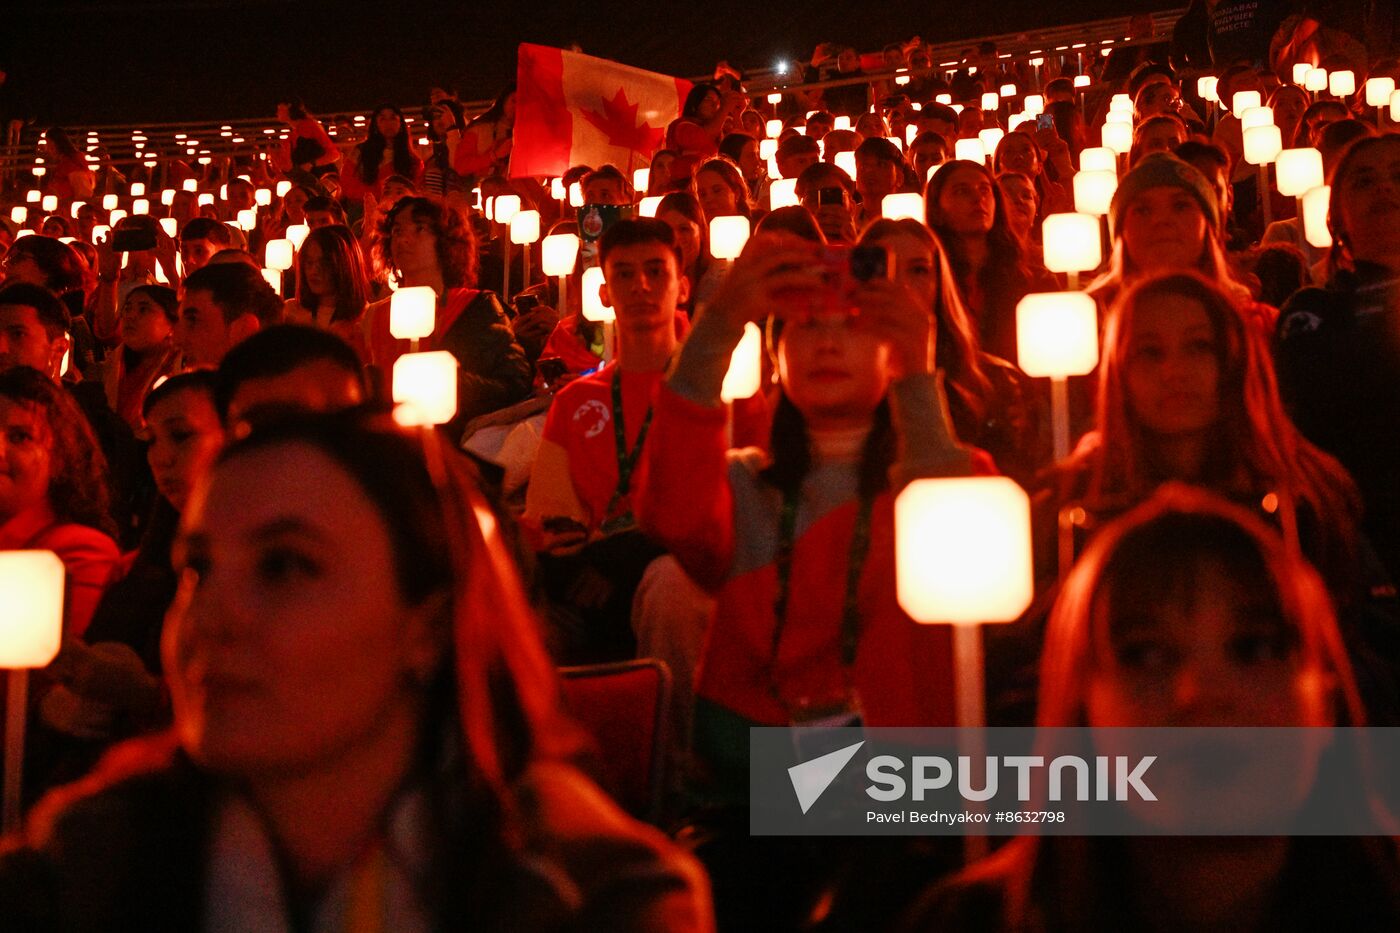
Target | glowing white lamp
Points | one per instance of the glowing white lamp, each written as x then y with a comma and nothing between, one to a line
971,150
206,198
911,132
1300,72
1243,100
1257,116
943,99
1342,83
647,207
559,253
525,227
846,162
31,627
1072,242
556,189
170,226
247,220
138,189
902,206
991,137
782,193
1120,103
1316,202
767,149
728,236
772,128
297,233
641,179
17,214
745,374
1206,87
262,197
33,196
1098,159
425,388
593,307
1378,91
273,277
1298,170
413,312
167,196
1035,104
1081,80
190,184
31,590
141,206
575,195
50,203
507,206
101,232
223,192
1118,116
279,254
39,171
116,217
842,123
1093,191
963,550
990,101
1316,80
1262,144
1117,136
1057,334
775,98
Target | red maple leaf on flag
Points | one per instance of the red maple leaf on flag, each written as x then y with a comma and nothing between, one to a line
618,122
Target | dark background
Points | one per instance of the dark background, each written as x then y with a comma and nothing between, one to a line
87,63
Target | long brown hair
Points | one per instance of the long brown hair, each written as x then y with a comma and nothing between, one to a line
345,263
1255,448
78,491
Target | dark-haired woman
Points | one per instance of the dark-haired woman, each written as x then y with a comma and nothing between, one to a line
694,136
385,151
367,732
798,548
486,141
425,242
146,352
70,177
332,287
53,488
967,212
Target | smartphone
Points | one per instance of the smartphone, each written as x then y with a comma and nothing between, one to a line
133,240
524,304
833,195
551,368
1044,121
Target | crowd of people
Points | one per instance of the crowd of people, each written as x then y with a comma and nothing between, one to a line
316,656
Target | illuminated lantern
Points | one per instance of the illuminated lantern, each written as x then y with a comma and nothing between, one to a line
413,312
1257,116
593,307
167,197
1342,83
279,254
556,189
641,178
559,253
772,128
1262,144
901,206
1300,73
963,550
846,162
297,234
425,388
1315,206
1093,192
1206,87
507,206
842,123
274,278
1117,136
1243,100
767,149
31,590
262,197
169,225
970,150
17,214
744,377
1072,242
141,206
647,207
138,189
1081,80
1035,104
1316,80
1098,159
1378,91
775,98
190,184
50,203
575,195
990,101
117,217
525,227
247,220
728,236
1298,170
1057,334
991,137
283,187
783,193
205,199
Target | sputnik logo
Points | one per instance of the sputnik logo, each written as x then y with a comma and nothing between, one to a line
811,778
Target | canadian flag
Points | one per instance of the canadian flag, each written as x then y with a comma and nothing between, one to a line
574,109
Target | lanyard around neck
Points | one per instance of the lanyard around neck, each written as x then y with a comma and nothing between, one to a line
626,459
